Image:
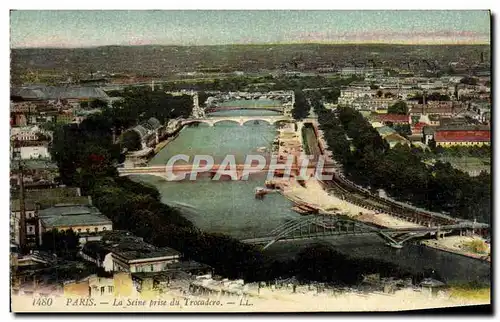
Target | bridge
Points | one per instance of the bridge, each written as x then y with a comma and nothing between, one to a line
312,227
177,169
241,120
213,109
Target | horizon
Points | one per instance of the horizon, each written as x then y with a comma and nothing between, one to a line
266,44
73,29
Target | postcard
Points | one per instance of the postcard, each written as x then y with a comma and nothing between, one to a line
250,161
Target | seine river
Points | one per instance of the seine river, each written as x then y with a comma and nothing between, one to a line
230,207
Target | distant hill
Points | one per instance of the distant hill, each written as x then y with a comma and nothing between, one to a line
165,60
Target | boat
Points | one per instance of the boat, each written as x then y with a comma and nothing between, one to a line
270,184
305,209
260,192
300,210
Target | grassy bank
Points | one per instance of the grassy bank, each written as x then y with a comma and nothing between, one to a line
470,291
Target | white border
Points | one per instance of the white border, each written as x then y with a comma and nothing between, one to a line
186,4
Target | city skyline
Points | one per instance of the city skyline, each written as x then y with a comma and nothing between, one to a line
71,28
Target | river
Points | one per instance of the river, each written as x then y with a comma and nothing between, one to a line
230,207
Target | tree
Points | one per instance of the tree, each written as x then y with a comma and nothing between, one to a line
301,107
131,140
469,80
399,107
98,104
63,243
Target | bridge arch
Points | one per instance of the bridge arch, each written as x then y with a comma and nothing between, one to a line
257,120
277,122
226,121
198,121
210,110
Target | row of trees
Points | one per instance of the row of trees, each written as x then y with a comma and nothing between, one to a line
263,83
368,161
463,151
141,103
430,97
300,107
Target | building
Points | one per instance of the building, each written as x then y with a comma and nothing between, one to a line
33,151
24,133
391,118
358,70
120,251
447,136
392,137
149,132
31,212
79,218
101,287
375,104
36,172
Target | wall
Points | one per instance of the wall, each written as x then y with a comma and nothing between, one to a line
15,217
83,228
77,289
143,265
157,266
101,286
448,144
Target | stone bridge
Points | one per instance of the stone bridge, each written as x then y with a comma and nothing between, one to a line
231,108
241,170
241,120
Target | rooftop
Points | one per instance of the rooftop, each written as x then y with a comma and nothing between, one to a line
462,136
15,205
72,215
128,246
40,194
395,118
385,130
53,92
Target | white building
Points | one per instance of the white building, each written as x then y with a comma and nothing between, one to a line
33,152
120,251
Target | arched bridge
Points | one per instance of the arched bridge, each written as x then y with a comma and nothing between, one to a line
241,120
241,170
314,226
231,108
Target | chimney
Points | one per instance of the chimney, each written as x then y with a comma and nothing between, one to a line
22,208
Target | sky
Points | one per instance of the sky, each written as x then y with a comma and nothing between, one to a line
68,29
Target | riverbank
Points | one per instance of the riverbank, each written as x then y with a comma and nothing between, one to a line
165,142
459,245
312,193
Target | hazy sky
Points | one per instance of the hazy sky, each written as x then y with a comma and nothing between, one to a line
96,28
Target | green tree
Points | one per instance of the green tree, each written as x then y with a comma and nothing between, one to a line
301,107
63,243
98,104
469,80
403,129
399,107
131,140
